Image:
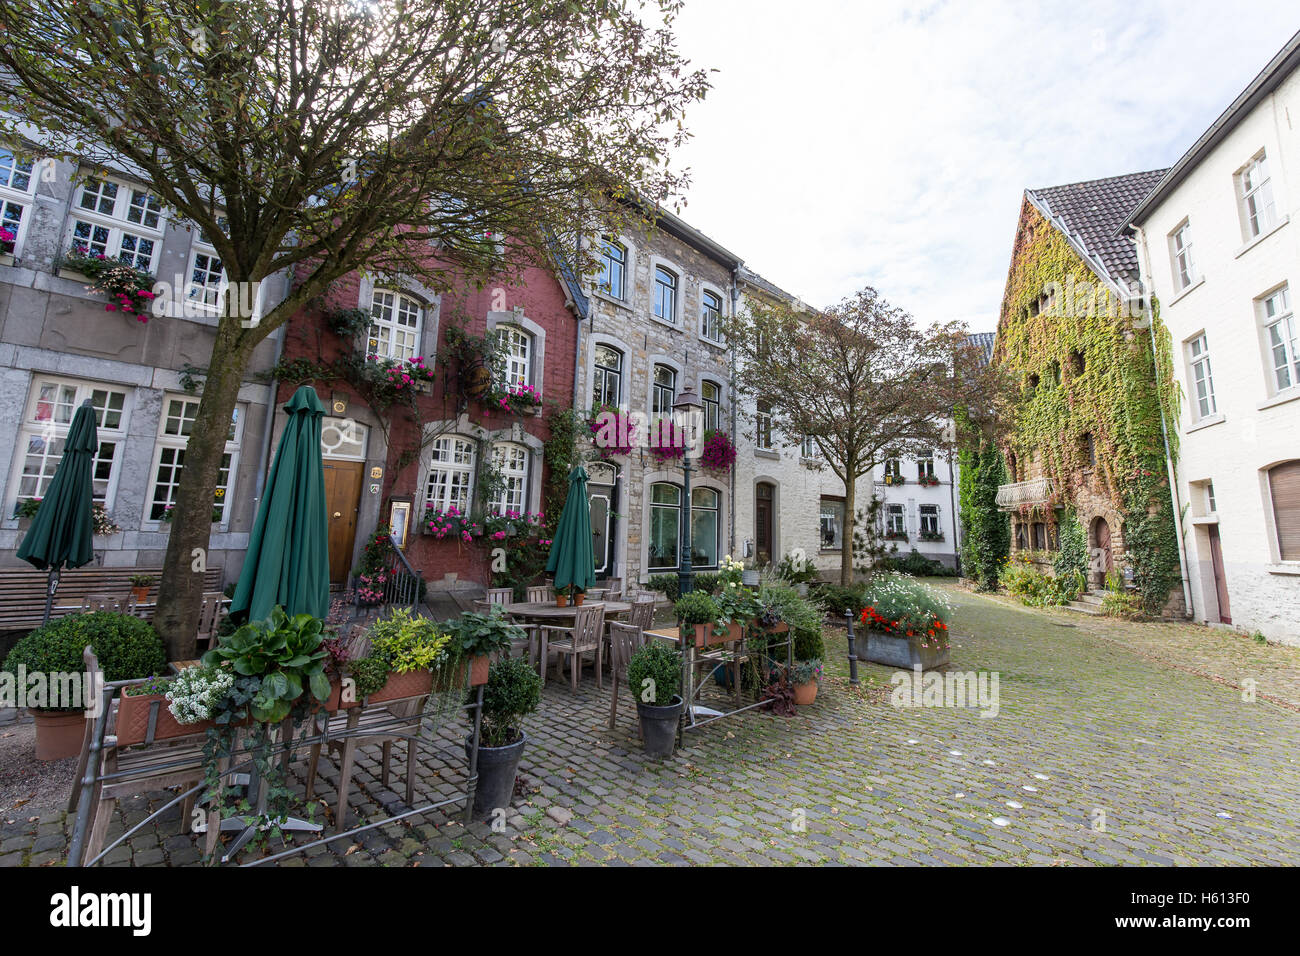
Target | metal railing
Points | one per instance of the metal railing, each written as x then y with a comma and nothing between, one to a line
402,583
1032,492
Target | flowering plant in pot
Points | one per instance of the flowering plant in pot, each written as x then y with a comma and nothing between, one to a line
478,635
451,523
129,289
613,432
101,521
654,673
176,706
906,623
126,647
717,452
512,692
805,677
667,441
518,399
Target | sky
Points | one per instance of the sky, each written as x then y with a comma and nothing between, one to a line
847,144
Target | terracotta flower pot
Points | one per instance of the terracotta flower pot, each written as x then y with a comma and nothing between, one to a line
578,598
805,694
58,733
141,594
478,669
561,600
133,720
335,700
403,685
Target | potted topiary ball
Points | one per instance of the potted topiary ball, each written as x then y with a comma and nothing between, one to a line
655,675
698,611
127,648
512,692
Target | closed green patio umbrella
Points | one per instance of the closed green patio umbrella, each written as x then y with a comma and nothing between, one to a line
62,533
572,560
287,563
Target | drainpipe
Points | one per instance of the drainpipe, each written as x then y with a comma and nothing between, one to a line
731,414
265,453
1164,434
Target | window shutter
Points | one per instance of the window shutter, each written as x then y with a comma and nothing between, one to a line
1284,481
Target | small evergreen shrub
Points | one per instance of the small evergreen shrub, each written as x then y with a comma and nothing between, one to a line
655,674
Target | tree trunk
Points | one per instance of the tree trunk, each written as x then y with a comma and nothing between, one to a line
850,522
180,592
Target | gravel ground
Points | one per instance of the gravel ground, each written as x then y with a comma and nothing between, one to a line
28,785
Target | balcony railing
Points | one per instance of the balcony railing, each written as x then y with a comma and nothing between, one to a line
1032,492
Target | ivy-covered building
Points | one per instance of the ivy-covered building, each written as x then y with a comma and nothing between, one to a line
1086,454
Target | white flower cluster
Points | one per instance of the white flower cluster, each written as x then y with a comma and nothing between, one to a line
194,694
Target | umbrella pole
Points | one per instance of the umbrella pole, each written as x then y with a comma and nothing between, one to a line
49,594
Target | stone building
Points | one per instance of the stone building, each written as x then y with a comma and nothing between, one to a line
61,344
1075,333
654,330
1217,251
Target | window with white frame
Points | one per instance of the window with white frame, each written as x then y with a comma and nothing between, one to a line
1256,189
832,524
925,467
16,182
516,356
118,221
763,425
1280,338
895,519
1180,249
173,435
929,520
395,323
1202,382
451,474
665,303
663,392
613,269
607,377
808,447
665,517
207,279
512,467
705,527
50,406
711,316
711,399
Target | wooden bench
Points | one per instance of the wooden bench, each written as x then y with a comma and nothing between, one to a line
22,591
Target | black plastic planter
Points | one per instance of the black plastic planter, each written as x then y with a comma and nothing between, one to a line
659,727
496,776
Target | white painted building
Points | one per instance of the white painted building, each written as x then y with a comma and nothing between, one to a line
919,505
1219,253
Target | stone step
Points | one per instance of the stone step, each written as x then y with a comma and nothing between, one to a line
1091,597
1084,607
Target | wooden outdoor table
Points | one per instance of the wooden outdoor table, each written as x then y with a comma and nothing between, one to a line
547,611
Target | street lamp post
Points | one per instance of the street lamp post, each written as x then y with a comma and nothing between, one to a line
687,407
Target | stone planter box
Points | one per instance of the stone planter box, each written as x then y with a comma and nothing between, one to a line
904,652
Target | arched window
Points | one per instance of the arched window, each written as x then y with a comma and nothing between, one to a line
1284,486
711,316
665,512
664,391
665,295
607,377
711,398
516,356
395,321
512,465
705,516
451,474
613,268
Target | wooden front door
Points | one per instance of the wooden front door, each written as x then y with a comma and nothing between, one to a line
763,508
342,499
1220,579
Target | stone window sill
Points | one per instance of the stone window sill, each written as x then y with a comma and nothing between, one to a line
767,453
1200,281
668,325
1286,567
6,259
1281,398
1201,520
1261,237
612,300
1206,422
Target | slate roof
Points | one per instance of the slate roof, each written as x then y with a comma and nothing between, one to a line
984,342
1092,214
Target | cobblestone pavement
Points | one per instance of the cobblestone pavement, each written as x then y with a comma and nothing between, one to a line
1107,749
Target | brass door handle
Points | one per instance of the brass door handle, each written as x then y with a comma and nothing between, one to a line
338,514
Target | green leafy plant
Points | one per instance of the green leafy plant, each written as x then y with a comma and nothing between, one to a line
665,584
27,507
696,608
654,673
408,641
804,617
805,672
512,692
475,633
287,654
835,599
153,685
797,569
141,580
126,647
369,673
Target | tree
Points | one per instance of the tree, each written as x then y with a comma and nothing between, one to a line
316,138
860,379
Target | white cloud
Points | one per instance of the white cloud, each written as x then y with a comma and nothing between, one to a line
847,144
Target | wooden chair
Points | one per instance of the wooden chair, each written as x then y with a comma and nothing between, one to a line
642,614
540,594
500,595
153,765
613,589
384,721
624,639
587,634
214,602
103,601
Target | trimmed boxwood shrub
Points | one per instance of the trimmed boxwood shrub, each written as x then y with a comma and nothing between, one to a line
659,663
836,599
513,691
127,647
